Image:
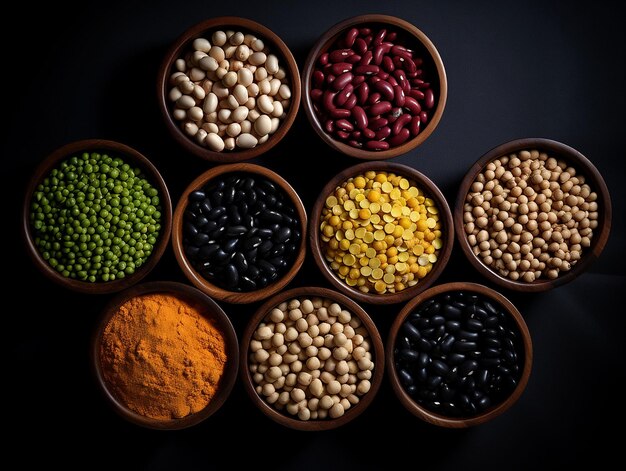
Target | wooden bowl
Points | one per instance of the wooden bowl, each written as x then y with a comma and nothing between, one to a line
284,419
129,155
494,411
592,177
183,44
424,184
196,278
432,63
212,312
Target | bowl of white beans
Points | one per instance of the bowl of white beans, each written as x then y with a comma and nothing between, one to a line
228,89
532,214
311,359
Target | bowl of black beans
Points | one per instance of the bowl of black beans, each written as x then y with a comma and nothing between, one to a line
96,217
459,355
239,232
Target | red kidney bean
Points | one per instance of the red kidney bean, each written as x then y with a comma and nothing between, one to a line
403,54
377,58
359,46
383,133
339,55
366,58
392,80
418,61
327,100
340,67
329,126
400,123
380,36
412,105
350,37
409,66
358,80
417,94
385,89
398,96
397,48
392,36
350,102
424,117
429,98
368,40
344,94
368,133
340,113
355,135
400,138
366,69
355,143
386,47
374,98
377,145
373,79
414,127
330,78
402,81
323,60
316,94
377,123
353,59
395,114
418,73
341,81
382,75
342,134
359,116
344,125
388,64
362,92
318,78
365,31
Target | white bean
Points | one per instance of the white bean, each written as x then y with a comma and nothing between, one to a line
230,79
245,77
198,92
210,127
284,91
246,126
208,63
190,128
220,90
275,124
196,74
257,58
175,94
179,114
200,136
196,56
229,51
239,114
264,87
223,116
201,44
231,102
240,93
274,86
186,87
271,64
242,53
219,38
180,65
263,125
277,112
215,143
257,45
210,103
185,102
233,129
246,141
229,143
281,74
265,104
217,53
195,113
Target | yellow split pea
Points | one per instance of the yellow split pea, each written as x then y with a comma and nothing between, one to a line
380,232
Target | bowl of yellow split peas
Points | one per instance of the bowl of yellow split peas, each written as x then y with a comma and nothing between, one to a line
381,232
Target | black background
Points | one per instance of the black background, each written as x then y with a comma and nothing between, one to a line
515,69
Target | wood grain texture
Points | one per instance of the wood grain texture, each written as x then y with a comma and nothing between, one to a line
130,156
583,166
212,312
183,45
491,413
424,184
423,45
196,278
378,354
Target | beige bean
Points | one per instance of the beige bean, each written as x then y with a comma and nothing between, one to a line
246,141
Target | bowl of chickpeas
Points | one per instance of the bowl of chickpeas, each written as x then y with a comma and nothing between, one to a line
532,214
228,89
311,359
381,232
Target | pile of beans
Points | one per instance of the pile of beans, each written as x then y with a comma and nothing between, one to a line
229,92
370,90
311,358
529,215
458,354
241,231
380,232
94,218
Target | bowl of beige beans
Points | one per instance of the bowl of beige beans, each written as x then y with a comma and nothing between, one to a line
532,214
228,89
311,359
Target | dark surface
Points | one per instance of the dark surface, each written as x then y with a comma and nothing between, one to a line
515,69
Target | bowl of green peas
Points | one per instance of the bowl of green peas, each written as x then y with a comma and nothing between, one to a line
97,216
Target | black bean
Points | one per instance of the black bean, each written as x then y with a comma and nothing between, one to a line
467,367
467,335
411,331
446,343
229,245
271,216
240,262
510,356
252,242
433,382
491,321
216,212
197,195
451,312
266,267
424,345
422,375
437,320
216,198
491,342
234,217
423,360
405,377
482,376
236,230
206,207
191,250
439,367
206,251
408,355
474,325
282,235
456,358
264,248
464,347
491,352
231,275
453,326
190,229
264,233
200,238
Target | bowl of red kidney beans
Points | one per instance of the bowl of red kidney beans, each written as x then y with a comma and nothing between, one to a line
374,87
459,355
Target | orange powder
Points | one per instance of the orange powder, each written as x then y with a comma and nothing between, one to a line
162,358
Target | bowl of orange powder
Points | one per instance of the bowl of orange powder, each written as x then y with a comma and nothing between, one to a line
165,355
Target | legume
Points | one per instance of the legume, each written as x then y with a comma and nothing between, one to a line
380,232
94,218
458,354
311,358
224,86
371,91
241,231
529,215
